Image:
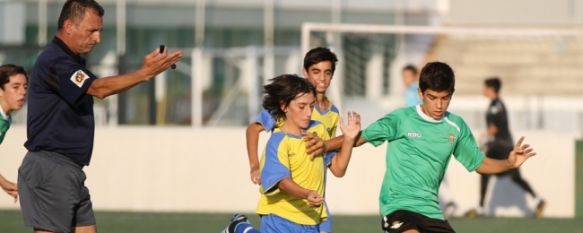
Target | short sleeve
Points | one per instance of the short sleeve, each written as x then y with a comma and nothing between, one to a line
266,120
73,79
276,165
328,158
466,150
4,125
384,129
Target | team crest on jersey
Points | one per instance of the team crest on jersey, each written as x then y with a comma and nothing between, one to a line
79,77
329,130
451,138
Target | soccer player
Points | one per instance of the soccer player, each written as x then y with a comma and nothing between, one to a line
60,122
499,144
319,66
292,181
421,141
13,84
410,76
410,79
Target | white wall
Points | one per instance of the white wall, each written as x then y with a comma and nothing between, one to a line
205,170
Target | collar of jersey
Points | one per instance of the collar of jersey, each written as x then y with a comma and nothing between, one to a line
323,111
67,50
3,114
425,117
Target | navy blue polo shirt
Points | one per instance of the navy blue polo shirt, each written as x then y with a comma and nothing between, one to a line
60,112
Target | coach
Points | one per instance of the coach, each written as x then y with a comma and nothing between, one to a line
61,125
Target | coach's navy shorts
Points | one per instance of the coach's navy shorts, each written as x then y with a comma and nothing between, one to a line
52,193
403,220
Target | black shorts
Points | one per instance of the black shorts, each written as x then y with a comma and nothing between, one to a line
52,193
403,220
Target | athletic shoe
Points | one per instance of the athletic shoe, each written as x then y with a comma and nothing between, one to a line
237,218
474,213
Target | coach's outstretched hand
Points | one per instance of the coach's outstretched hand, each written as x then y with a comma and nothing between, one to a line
520,153
156,62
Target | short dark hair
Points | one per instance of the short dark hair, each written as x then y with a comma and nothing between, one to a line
282,90
437,76
320,54
75,10
9,70
493,82
411,68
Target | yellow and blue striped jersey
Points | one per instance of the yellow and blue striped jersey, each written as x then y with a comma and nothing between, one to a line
285,156
329,118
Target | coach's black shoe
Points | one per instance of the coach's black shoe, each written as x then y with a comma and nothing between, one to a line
540,207
237,218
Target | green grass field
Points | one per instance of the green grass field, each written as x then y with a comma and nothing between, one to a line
124,222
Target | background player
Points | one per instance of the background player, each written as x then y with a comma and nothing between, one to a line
13,85
498,144
410,76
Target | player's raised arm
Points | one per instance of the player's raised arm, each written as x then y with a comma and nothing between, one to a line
154,64
516,158
337,142
350,131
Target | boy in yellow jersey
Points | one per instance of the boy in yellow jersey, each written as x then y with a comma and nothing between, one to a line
319,66
13,85
292,186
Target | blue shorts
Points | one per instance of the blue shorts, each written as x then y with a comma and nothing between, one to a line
326,225
275,224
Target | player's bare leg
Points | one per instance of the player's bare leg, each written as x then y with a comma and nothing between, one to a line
86,229
41,231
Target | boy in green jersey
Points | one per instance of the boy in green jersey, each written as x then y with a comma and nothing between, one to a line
422,139
13,84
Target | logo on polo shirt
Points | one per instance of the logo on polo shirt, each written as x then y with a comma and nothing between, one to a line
79,77
451,138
